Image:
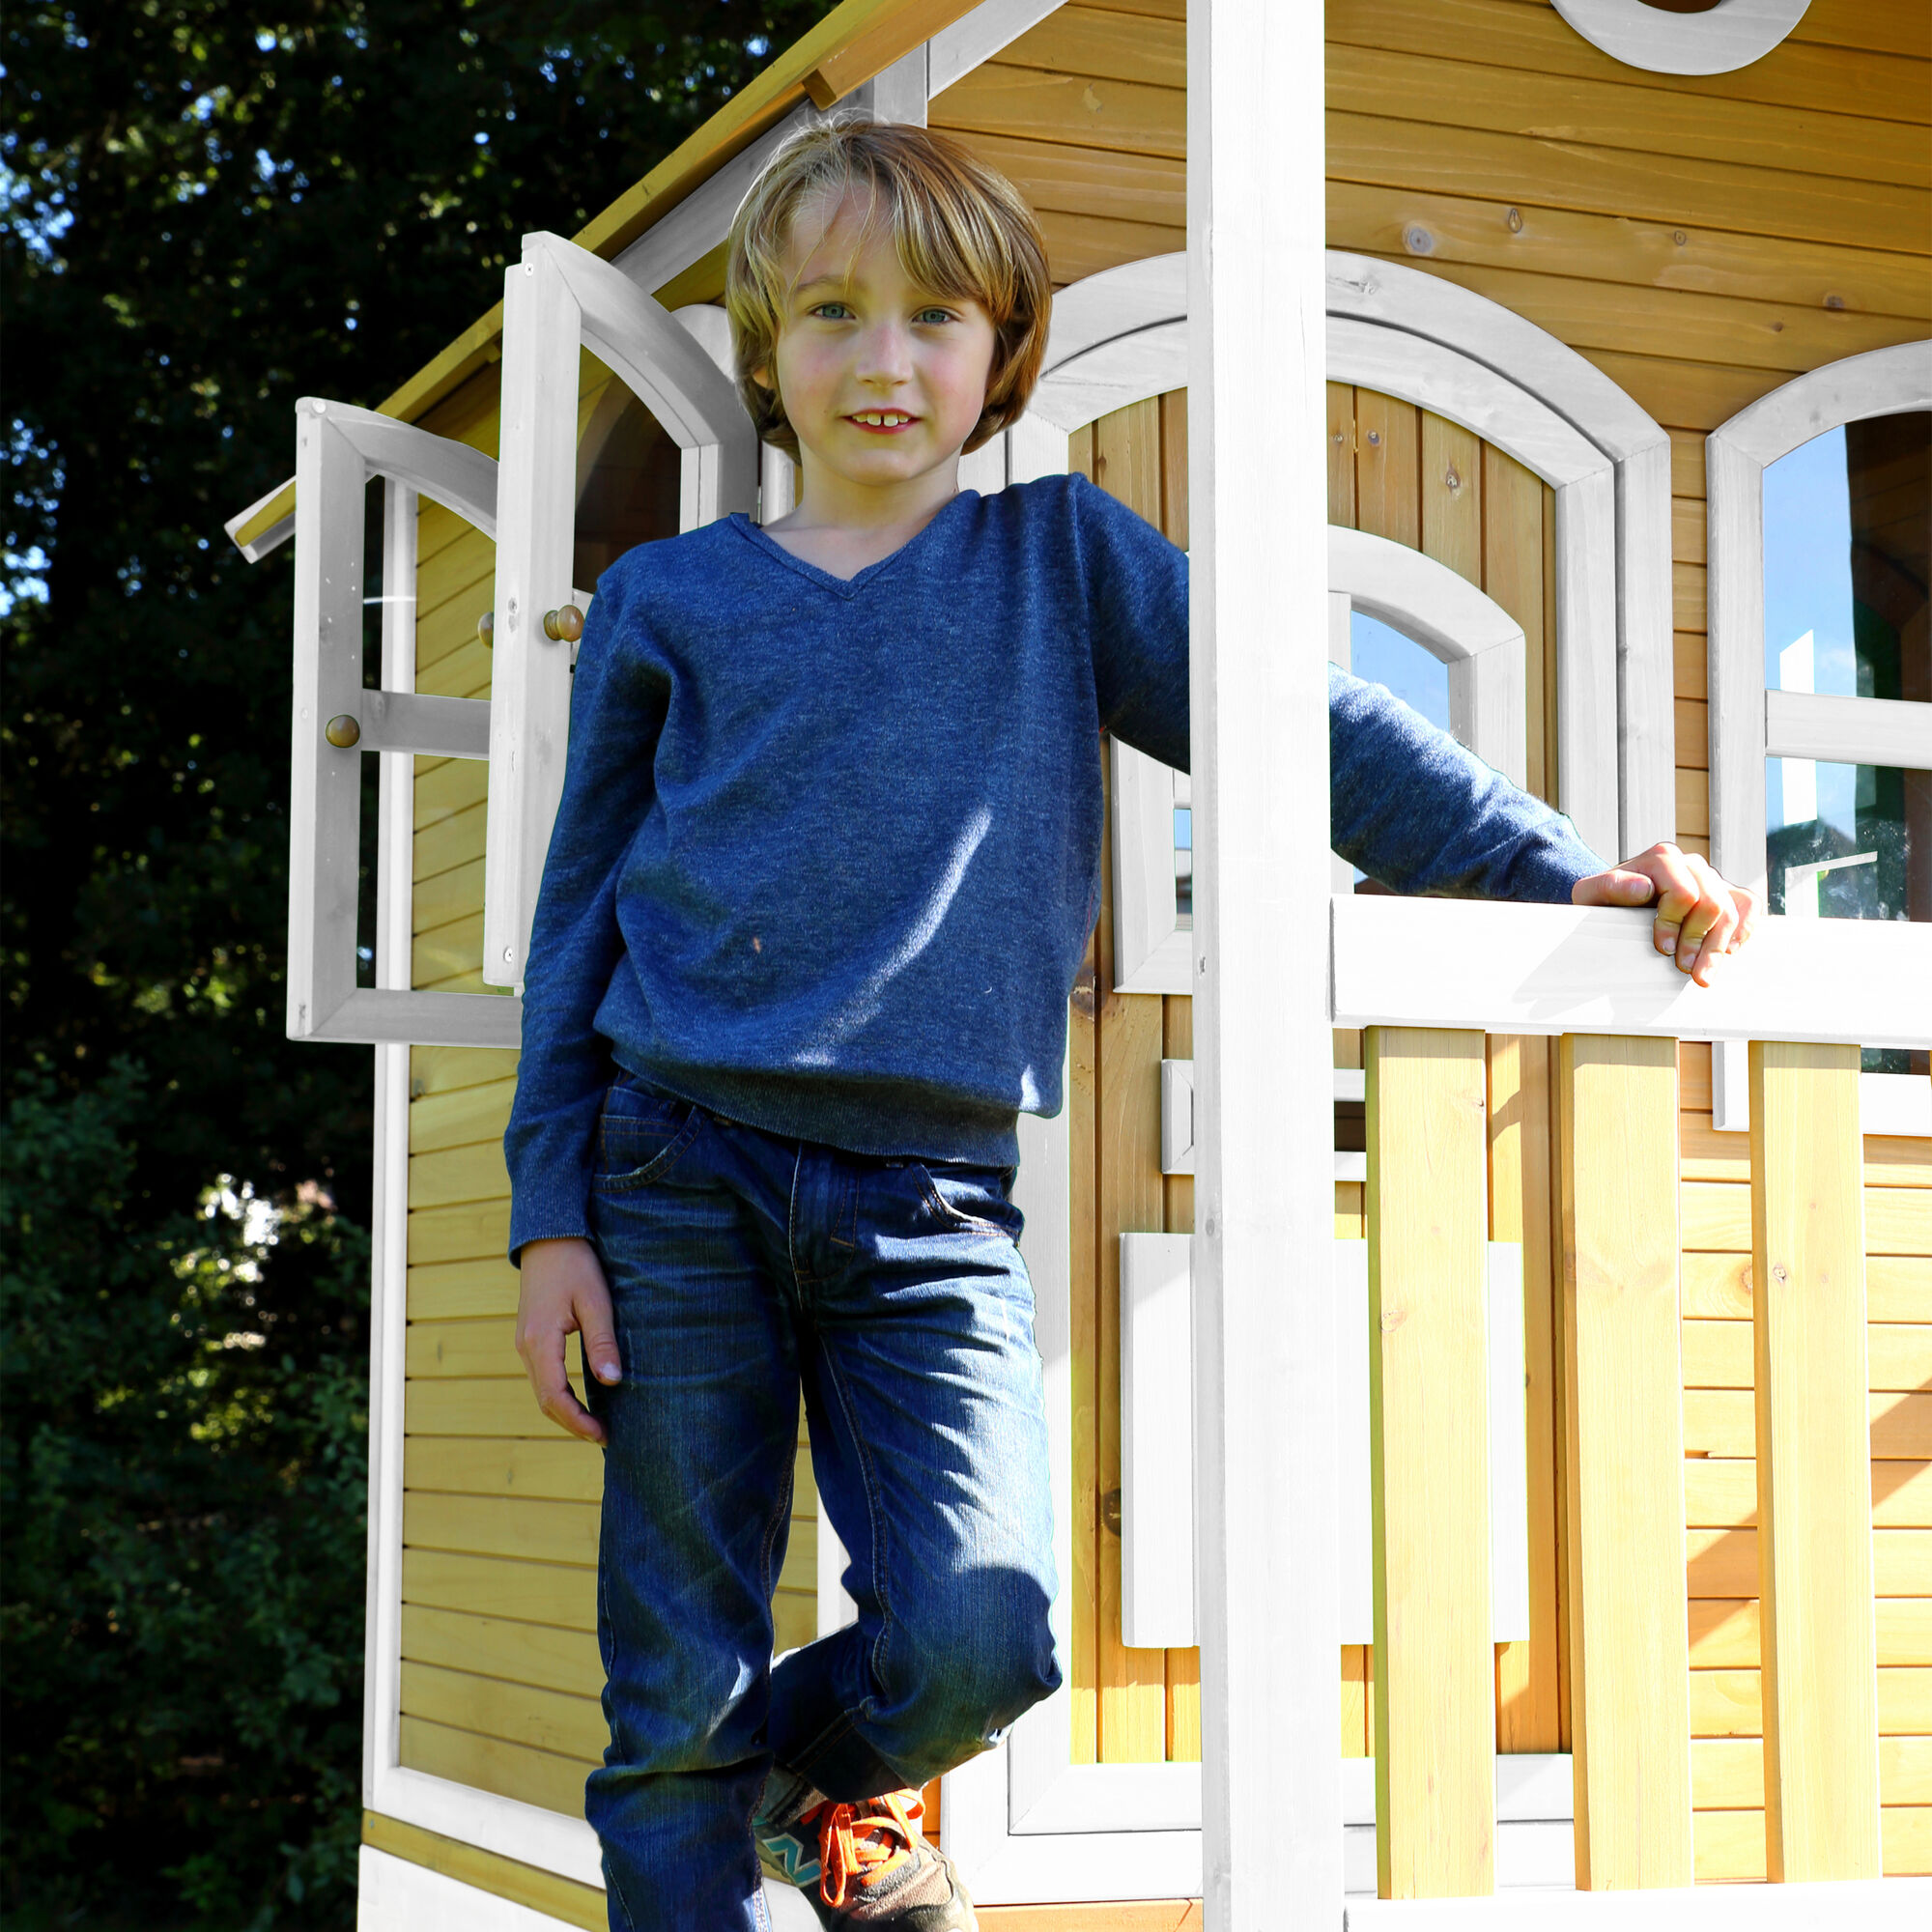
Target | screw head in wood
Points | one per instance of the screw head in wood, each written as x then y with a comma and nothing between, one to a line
564,625
343,732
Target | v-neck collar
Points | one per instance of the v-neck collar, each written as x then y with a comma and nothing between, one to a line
846,587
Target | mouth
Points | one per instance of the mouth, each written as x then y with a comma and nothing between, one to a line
881,422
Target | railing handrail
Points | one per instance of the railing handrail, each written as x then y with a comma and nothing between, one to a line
1547,969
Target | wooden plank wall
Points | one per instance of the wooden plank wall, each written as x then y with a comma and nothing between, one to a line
1412,476
1129,1706
1701,239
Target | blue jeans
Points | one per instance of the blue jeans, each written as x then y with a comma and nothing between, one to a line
743,1267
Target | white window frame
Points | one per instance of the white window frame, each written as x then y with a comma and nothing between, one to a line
1423,340
1730,35
338,450
1751,722
557,300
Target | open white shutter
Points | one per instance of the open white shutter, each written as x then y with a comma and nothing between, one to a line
558,302
337,720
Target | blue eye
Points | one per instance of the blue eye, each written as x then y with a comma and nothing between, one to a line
824,311
933,315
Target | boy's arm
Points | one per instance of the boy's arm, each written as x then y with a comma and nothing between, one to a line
1417,812
1414,810
616,715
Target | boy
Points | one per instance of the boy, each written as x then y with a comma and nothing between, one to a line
823,872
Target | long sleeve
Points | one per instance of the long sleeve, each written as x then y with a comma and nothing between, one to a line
1414,810
1409,805
616,712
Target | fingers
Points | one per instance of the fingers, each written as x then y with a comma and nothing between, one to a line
1618,887
1699,916
550,1380
592,1308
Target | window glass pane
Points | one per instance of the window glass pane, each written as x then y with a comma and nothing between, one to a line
1183,866
1384,656
1847,557
1847,553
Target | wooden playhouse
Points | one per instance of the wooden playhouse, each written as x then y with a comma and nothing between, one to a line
1491,1385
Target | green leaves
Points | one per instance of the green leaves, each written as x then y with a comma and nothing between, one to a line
200,201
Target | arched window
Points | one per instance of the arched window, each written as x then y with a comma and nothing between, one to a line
1821,670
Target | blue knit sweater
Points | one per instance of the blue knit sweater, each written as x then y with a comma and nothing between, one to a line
829,851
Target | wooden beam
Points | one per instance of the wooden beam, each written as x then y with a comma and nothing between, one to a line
1623,1415
1814,1499
1264,1188
1427,1218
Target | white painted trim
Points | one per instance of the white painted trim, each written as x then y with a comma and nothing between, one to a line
1157,1543
1543,370
1450,382
1882,382
1545,969
393,1895
1873,1905
1458,625
1153,952
975,37
1392,295
397,1895
560,299
1126,369
274,537
1116,302
1732,34
1893,1103
1848,730
1158,1557
339,449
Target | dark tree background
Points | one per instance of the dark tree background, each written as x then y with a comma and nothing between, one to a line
212,210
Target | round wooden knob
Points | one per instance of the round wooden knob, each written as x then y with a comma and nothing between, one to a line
343,732
486,629
565,626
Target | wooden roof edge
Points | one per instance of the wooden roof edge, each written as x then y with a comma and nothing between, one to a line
853,42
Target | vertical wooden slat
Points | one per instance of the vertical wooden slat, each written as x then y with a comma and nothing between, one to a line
1130,1197
1342,455
1387,460
1174,466
1820,1685
1428,1219
1452,496
1513,509
1629,1661
1084,1347
1520,1196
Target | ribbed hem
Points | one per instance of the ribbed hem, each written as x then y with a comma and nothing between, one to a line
875,1117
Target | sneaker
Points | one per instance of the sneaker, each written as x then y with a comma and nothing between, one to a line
868,1864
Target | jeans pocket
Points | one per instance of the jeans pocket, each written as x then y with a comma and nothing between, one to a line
640,1136
970,1199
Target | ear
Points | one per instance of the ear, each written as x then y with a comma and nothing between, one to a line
762,376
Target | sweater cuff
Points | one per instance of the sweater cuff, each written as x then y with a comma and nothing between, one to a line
539,1219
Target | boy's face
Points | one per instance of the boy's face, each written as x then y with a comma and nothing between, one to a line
883,380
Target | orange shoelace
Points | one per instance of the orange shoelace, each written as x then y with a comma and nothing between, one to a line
858,1840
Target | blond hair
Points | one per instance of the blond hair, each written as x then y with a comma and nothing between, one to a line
960,230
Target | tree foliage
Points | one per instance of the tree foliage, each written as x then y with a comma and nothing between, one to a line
213,210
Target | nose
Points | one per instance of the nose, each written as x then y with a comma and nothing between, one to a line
885,353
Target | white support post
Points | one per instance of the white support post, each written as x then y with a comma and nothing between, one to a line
1586,657
1264,1208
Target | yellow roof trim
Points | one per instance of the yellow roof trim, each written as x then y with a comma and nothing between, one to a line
853,42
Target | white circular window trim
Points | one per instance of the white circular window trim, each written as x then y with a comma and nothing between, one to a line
1730,35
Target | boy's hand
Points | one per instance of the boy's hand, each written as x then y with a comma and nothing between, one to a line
563,1291
1700,914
